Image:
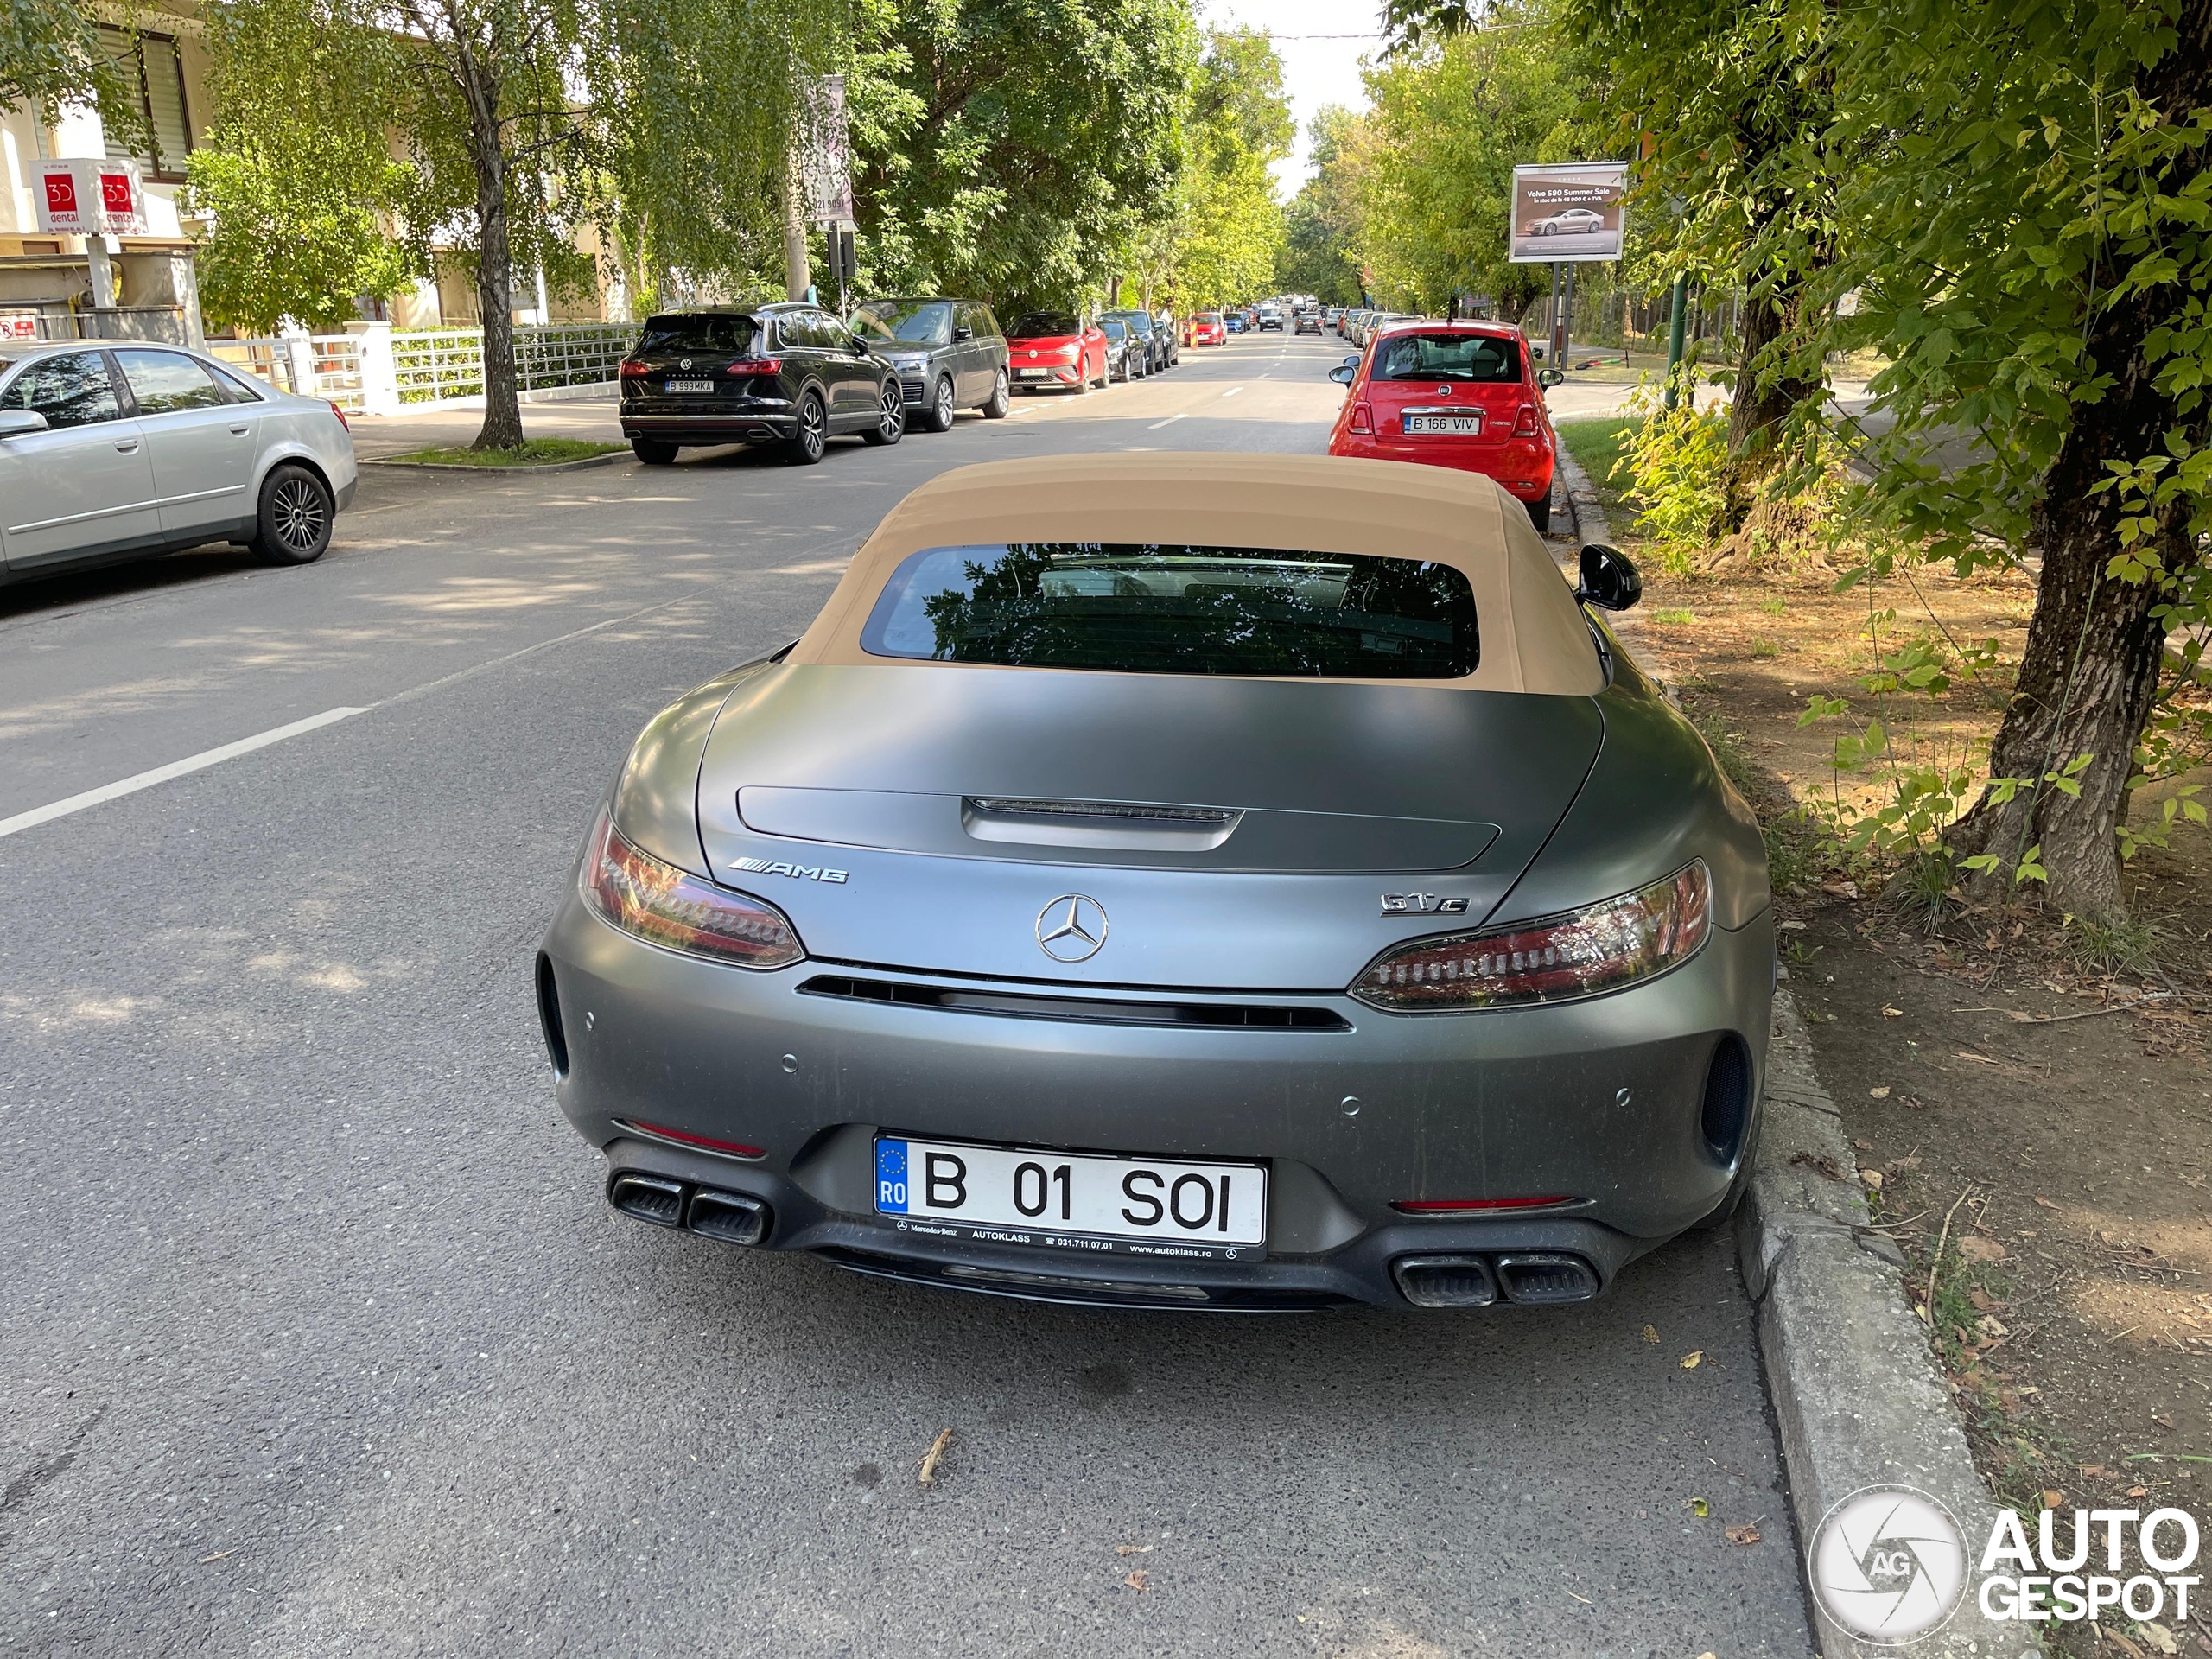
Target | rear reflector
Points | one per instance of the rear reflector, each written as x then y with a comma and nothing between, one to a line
1464,1206
685,1138
1444,1281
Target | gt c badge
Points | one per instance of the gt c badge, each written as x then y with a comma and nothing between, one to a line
1422,904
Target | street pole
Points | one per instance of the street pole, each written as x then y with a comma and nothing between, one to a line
797,278
1567,322
1675,322
1558,342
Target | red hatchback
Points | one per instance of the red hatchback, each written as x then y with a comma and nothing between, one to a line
1054,348
1208,329
1452,394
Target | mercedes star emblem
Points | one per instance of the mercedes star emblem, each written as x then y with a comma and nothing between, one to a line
1072,928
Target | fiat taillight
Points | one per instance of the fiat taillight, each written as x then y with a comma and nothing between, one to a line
1363,418
1524,424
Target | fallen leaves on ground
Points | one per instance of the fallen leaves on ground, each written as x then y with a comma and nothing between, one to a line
1819,1163
1651,1334
1743,1535
1692,1360
1699,1508
1873,1178
1134,1550
1889,1012
933,1457
1976,1248
1880,1091
1138,1579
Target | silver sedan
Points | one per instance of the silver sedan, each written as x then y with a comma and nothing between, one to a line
116,449
1222,881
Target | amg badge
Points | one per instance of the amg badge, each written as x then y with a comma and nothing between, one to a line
799,871
1422,904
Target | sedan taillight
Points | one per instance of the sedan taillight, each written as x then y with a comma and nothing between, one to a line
340,414
665,906
1524,424
1363,418
753,366
1583,953
630,370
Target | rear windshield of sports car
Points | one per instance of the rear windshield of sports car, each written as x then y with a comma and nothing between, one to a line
1447,356
1160,609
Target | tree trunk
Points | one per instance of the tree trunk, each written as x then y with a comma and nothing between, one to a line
1756,412
2089,674
495,276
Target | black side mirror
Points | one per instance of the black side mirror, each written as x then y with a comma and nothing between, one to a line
1608,580
963,334
1342,374
1549,377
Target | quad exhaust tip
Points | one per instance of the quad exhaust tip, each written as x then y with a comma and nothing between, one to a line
731,1217
1534,1278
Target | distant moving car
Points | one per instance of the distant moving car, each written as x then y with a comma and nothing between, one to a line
1207,329
1453,394
117,450
1309,322
1056,348
1429,965
1124,350
949,353
1271,317
1567,222
787,374
1236,324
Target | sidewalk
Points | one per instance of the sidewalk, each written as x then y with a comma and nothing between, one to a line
376,437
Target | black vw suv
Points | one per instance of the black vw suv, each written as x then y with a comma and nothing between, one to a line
787,374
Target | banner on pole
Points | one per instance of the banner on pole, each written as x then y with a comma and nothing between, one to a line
1567,211
828,164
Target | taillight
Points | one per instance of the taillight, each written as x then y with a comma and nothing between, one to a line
665,906
630,369
1524,424
749,365
1363,418
340,414
1583,953
1465,1206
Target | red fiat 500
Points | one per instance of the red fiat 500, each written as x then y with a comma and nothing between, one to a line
1208,329
1453,394
1054,348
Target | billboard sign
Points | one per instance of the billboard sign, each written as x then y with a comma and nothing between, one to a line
91,198
828,163
1567,211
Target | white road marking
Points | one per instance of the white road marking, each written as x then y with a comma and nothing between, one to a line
205,758
1232,391
1170,421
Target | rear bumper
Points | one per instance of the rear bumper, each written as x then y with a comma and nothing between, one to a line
704,427
1522,468
1603,1103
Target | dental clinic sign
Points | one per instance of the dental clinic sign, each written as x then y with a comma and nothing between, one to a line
1890,1564
78,197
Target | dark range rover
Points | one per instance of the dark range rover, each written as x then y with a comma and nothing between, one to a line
950,355
787,374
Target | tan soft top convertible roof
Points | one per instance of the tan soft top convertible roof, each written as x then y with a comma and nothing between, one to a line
1534,636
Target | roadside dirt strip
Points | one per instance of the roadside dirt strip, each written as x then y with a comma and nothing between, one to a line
1859,1400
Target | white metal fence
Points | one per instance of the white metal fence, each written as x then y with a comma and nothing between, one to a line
427,366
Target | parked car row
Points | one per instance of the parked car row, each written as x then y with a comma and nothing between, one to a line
794,375
115,450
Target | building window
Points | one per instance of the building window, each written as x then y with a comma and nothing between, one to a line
152,67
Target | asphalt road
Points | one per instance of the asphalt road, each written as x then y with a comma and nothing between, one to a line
316,1337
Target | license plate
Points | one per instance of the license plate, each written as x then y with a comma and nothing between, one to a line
1446,426
1073,1201
1030,374
690,385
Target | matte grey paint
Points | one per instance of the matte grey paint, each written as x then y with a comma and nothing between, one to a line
1564,801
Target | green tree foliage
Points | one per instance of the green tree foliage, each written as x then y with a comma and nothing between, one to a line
1013,149
51,54
1326,223
1230,228
1450,122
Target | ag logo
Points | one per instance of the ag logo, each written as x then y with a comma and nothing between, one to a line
1889,1564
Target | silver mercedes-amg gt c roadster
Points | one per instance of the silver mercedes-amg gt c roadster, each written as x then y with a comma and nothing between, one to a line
1201,881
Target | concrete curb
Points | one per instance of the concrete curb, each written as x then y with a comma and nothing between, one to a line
606,459
1859,1400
